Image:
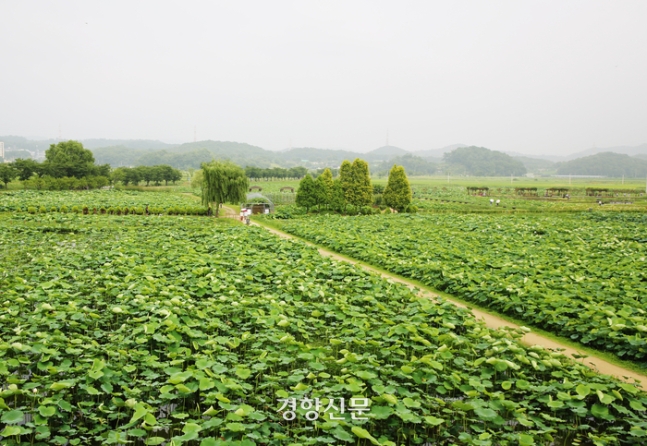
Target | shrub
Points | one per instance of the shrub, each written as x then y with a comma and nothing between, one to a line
64,209
42,209
75,209
125,210
53,209
31,210
85,210
102,210
411,209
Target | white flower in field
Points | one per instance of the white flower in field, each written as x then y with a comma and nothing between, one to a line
117,310
234,304
223,298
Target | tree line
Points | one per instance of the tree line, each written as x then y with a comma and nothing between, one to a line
68,165
352,188
257,173
146,174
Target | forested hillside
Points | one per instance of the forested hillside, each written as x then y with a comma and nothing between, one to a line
606,164
480,161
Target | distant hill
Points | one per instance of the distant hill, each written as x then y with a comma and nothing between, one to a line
438,153
607,164
137,144
413,165
315,158
117,156
384,153
479,161
535,165
627,150
188,155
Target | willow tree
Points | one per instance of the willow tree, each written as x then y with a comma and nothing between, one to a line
223,182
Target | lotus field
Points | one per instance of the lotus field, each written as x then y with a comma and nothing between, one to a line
177,330
75,201
582,276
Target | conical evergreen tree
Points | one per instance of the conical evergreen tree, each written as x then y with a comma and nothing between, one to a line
324,185
307,193
337,199
346,181
397,193
362,194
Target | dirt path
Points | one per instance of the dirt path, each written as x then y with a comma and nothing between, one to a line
490,320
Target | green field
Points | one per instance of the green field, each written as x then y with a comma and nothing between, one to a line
20,201
581,276
145,329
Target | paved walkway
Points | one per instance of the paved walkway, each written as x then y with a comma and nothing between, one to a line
492,321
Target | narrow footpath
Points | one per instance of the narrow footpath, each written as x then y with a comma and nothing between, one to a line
492,321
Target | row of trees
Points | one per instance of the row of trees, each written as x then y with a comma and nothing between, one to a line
67,160
147,174
258,173
68,165
352,188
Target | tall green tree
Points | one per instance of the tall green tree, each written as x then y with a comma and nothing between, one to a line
223,182
346,181
362,190
27,168
307,193
337,199
324,183
197,179
146,173
397,193
69,159
7,173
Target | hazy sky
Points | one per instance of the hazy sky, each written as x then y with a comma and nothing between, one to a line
526,76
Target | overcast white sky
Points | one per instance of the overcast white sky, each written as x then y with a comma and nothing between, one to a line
549,77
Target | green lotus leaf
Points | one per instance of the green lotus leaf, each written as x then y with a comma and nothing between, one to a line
13,417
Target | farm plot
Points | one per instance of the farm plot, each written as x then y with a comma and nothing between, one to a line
123,330
66,201
582,277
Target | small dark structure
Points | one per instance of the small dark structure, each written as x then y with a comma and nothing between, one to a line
526,191
258,208
286,189
560,191
257,188
481,191
598,192
258,203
